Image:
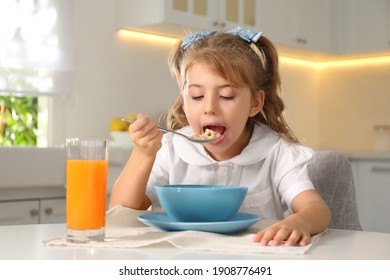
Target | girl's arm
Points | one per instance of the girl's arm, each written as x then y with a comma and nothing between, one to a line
311,216
129,189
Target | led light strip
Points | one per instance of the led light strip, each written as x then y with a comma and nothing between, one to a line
146,36
283,59
337,63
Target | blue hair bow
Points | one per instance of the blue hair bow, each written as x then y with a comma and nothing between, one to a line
248,35
193,37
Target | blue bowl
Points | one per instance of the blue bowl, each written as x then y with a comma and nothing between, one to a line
201,203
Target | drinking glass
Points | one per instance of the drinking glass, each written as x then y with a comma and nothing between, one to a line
86,188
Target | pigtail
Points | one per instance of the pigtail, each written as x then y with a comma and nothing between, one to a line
174,60
272,112
176,117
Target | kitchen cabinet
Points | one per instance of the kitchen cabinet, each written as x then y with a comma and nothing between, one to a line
32,211
302,24
367,26
179,17
39,211
326,26
372,181
52,211
19,212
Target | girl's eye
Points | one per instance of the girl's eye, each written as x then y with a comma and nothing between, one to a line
198,97
227,93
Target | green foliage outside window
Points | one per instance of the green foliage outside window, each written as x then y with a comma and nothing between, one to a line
18,121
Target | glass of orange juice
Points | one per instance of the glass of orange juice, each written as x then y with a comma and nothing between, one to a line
86,188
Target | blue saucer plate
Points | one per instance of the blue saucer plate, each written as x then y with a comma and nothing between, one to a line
238,223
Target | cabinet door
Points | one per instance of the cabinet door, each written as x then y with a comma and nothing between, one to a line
213,14
373,193
165,17
233,13
303,24
193,14
19,212
276,18
52,211
313,25
179,17
367,26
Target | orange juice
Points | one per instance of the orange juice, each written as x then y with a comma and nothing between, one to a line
86,193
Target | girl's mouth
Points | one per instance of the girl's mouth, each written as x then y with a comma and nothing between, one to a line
217,128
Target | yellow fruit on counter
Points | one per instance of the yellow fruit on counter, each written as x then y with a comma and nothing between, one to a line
131,117
118,125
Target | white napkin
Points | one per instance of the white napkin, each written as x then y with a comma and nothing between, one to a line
123,230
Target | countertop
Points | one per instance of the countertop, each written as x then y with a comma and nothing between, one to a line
364,156
26,242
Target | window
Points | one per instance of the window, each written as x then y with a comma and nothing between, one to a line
36,64
18,121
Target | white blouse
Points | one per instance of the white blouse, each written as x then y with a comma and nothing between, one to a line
273,169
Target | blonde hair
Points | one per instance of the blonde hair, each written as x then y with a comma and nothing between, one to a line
253,65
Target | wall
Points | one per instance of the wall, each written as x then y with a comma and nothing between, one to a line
300,93
352,100
337,107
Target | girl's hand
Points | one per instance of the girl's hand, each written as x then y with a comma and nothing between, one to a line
145,135
310,216
282,231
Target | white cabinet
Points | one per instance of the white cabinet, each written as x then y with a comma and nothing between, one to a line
336,27
45,211
367,26
302,24
52,211
179,17
372,180
19,212
229,14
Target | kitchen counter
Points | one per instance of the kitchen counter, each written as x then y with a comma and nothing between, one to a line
26,242
384,156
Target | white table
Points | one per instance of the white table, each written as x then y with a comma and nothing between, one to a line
24,242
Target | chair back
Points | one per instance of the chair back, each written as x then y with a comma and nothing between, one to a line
331,174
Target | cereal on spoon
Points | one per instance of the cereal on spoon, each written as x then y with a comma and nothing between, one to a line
207,135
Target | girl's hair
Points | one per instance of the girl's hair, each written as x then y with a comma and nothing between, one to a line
244,64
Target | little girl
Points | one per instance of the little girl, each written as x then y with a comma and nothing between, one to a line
230,83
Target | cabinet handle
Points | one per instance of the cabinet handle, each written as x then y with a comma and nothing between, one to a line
219,24
301,41
49,211
380,169
34,213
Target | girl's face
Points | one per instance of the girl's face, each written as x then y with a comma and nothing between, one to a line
209,101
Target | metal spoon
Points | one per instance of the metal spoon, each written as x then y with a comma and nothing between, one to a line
190,138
